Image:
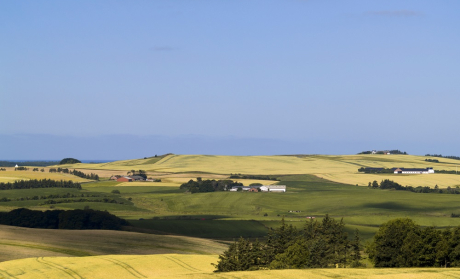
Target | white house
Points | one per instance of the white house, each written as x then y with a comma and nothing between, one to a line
414,171
273,188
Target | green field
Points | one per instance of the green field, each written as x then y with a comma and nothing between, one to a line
17,243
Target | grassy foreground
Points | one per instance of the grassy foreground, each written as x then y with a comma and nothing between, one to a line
185,266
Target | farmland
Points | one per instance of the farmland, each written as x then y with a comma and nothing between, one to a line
342,169
317,185
186,266
10,175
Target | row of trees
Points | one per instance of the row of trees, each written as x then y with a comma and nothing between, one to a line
142,173
60,219
42,183
29,163
394,151
21,169
403,243
318,245
91,176
202,186
104,200
440,156
389,184
376,170
250,176
55,196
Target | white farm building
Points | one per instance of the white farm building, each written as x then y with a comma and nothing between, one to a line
273,188
414,171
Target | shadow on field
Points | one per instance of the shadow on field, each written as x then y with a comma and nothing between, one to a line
202,227
388,205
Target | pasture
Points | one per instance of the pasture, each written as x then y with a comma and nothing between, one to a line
228,215
186,266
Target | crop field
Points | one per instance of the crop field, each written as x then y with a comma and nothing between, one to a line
10,175
185,266
17,243
343,169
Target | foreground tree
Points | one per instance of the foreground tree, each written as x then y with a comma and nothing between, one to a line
318,245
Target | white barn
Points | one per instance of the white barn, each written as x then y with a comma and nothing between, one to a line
414,171
273,188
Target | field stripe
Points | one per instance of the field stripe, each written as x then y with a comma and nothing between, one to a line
126,267
6,275
68,271
182,264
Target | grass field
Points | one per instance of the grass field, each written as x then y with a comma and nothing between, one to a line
186,266
229,215
17,243
343,169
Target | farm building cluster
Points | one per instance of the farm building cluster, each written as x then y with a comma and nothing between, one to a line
131,178
264,188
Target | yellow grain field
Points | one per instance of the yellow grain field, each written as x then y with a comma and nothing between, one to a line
10,175
342,169
186,266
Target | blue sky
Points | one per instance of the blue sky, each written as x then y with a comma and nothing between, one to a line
291,76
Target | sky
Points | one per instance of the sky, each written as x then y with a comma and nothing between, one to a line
127,79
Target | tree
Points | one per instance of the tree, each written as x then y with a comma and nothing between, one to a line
385,250
296,255
355,246
69,161
375,184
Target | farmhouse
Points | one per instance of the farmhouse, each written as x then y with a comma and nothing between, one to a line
414,171
125,179
137,177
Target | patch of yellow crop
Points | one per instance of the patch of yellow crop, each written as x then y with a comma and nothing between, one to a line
187,266
11,176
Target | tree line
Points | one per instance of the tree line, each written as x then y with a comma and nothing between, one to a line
203,186
389,184
29,163
103,200
42,183
403,243
394,151
318,245
77,219
55,196
91,176
376,170
440,156
250,176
